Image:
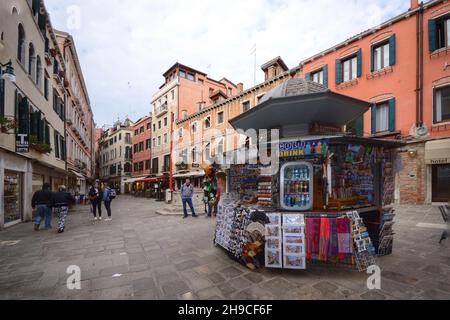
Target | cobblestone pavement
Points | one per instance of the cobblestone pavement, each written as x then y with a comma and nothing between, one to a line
141,255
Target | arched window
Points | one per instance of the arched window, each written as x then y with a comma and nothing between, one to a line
39,72
127,167
21,45
32,61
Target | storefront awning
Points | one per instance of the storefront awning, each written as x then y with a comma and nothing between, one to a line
192,174
152,179
437,152
78,175
132,180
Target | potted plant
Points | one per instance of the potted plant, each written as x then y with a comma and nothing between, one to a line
7,124
38,146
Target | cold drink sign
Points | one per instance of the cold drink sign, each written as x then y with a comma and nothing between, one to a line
303,148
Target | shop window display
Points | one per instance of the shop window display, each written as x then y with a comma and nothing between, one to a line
12,196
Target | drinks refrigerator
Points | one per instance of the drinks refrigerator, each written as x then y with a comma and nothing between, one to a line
296,184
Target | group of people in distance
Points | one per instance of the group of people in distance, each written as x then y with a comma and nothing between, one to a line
44,201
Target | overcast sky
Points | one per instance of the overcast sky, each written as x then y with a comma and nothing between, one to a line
125,48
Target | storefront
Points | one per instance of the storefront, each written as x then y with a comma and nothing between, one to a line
437,155
13,200
326,198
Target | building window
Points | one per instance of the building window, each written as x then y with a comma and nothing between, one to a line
173,94
349,67
136,132
380,54
194,127
208,122
115,139
46,88
201,82
191,77
159,140
383,116
194,155
220,117
317,76
136,166
441,104
246,106
148,144
147,164
39,73
120,136
154,127
32,62
182,74
165,122
141,130
180,132
149,126
136,148
159,124
165,138
207,152
21,45
141,146
439,33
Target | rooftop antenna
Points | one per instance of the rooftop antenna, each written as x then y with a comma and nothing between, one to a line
253,51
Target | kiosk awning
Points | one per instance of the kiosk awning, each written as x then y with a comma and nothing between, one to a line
78,175
132,180
437,152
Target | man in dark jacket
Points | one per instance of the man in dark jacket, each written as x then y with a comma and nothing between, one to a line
62,201
95,196
42,202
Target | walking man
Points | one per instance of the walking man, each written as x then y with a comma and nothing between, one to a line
187,192
42,202
95,195
62,201
108,195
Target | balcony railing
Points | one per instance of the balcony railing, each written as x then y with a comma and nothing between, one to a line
162,109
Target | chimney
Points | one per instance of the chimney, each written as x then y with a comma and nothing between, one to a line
240,87
414,4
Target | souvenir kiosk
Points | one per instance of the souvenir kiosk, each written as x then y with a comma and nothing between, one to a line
326,195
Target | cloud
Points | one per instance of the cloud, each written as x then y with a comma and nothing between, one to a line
125,46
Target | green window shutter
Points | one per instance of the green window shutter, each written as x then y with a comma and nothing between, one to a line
338,71
360,126
374,118
42,23
63,149
308,76
33,124
2,97
36,5
371,59
359,63
24,117
47,133
432,38
392,50
325,76
56,145
392,114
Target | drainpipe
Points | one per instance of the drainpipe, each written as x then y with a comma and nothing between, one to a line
171,151
421,65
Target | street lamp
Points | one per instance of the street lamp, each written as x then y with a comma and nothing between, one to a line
8,74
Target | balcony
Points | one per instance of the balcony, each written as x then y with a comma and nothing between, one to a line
162,109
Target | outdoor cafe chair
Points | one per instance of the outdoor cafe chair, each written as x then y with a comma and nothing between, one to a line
444,211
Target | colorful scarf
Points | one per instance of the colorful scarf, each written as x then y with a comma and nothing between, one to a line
324,239
312,238
344,239
334,242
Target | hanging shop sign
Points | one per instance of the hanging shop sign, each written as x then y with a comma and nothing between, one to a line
22,143
303,148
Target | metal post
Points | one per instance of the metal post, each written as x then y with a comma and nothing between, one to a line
171,149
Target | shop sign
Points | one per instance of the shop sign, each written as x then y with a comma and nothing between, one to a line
22,143
303,148
439,161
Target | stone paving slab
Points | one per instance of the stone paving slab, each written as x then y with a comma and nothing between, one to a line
142,255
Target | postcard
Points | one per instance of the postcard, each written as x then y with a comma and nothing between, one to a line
294,262
273,259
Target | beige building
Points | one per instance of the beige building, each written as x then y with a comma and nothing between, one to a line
33,106
80,127
116,155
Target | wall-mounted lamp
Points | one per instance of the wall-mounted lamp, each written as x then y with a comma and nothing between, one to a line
412,153
8,74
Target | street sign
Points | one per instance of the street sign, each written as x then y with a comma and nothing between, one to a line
22,143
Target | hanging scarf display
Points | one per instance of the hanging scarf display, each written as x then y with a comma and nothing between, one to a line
312,238
334,243
324,239
344,238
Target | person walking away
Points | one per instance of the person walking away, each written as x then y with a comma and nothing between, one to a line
187,192
108,196
42,202
61,201
95,195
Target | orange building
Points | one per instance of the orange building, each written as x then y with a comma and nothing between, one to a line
142,143
402,68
